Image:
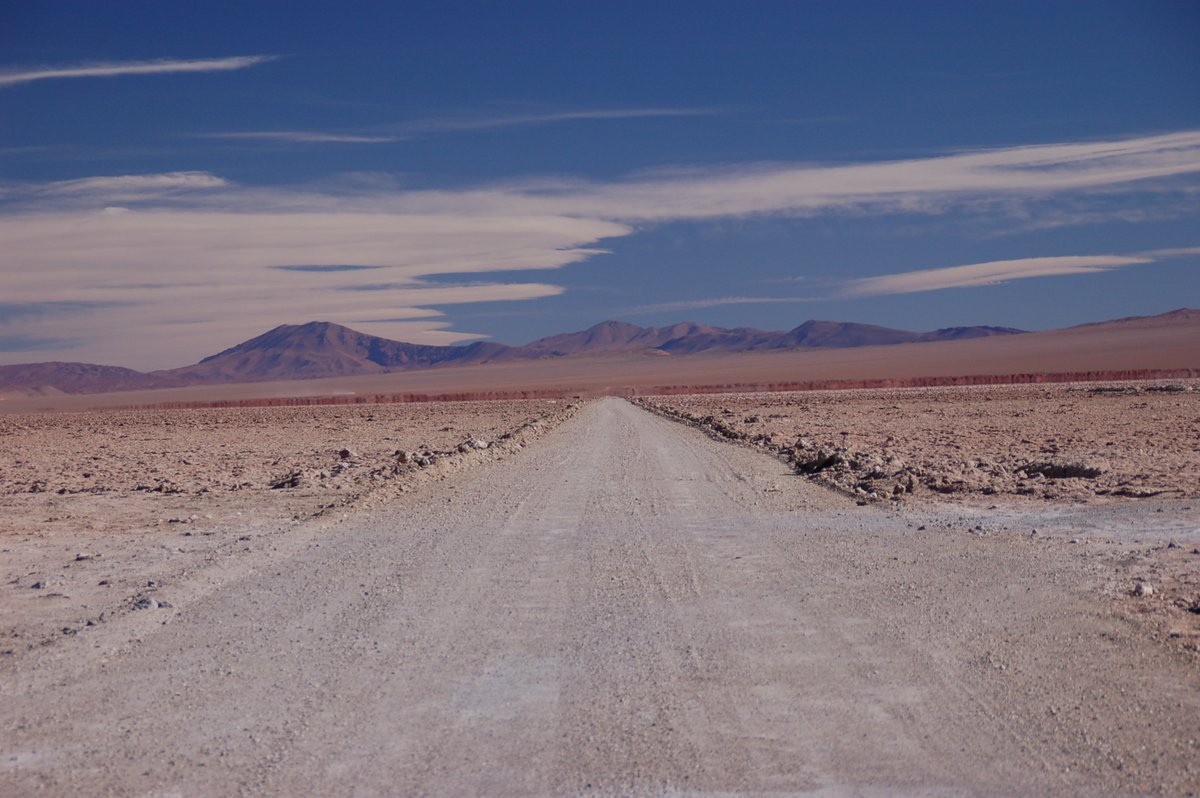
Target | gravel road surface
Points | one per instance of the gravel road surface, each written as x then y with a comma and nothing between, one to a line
626,607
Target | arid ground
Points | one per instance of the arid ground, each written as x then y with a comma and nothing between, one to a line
987,590
145,495
1071,442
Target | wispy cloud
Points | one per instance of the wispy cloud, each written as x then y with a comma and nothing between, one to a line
697,304
973,275
10,311
462,293
107,69
316,267
450,123
923,185
25,343
110,191
990,273
1177,252
913,186
136,184
300,137
384,134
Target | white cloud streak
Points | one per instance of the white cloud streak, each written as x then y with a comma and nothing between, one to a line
974,275
406,130
918,185
991,273
300,137
135,186
448,124
12,76
698,304
1179,252
191,241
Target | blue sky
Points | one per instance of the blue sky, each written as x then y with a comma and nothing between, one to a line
175,178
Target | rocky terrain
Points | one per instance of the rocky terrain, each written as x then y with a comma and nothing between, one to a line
100,510
1061,442
1025,451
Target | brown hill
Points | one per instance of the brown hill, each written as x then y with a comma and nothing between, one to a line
691,338
840,334
1170,318
613,336
319,349
76,378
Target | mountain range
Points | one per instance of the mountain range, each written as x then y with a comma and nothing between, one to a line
323,349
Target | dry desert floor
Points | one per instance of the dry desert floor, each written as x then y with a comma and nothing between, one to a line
100,510
987,591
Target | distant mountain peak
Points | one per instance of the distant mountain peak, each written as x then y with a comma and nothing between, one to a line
317,349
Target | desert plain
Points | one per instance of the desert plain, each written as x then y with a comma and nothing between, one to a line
101,508
978,589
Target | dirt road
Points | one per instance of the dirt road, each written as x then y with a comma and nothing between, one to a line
624,608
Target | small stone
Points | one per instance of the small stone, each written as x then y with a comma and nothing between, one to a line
345,454
80,557
820,462
145,603
292,480
1070,469
1143,589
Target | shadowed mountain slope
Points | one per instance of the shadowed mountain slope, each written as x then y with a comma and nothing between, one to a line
322,349
76,378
